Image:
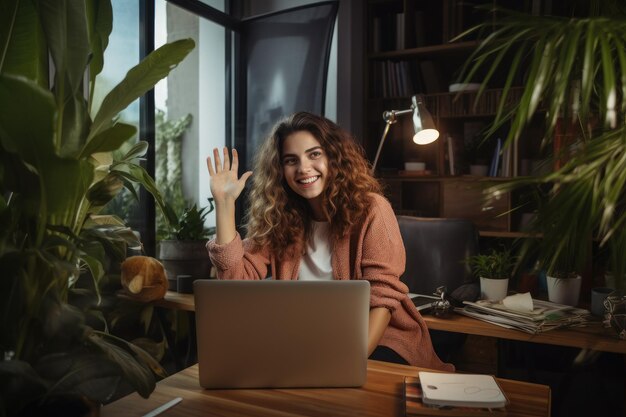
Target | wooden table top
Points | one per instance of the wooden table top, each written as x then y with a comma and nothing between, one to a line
381,396
593,337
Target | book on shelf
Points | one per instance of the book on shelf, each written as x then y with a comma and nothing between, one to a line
393,79
376,23
451,157
495,159
542,317
506,162
400,31
420,400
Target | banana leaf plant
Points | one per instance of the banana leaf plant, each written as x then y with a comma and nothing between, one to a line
574,73
56,174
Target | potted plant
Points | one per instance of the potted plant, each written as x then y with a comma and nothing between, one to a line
494,269
562,259
563,278
573,69
56,174
184,252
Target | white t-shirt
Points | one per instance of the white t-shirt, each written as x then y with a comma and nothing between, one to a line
315,264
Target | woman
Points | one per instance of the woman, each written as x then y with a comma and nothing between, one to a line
317,213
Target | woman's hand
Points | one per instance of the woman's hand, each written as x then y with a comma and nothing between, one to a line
225,185
225,188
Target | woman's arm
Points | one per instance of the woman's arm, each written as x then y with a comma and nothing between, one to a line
383,260
379,319
233,258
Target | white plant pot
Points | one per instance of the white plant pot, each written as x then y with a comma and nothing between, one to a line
493,289
564,290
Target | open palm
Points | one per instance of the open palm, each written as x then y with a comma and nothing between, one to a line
225,184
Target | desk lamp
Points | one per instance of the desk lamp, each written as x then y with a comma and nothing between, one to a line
423,125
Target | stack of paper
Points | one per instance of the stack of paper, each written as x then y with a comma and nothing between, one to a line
542,317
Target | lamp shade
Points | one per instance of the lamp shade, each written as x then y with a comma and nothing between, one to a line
423,124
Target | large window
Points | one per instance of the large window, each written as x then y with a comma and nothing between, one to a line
192,111
191,106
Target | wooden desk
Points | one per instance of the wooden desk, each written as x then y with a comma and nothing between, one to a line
593,337
381,396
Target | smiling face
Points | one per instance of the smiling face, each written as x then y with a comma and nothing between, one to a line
305,166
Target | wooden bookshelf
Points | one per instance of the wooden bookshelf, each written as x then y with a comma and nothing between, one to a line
403,59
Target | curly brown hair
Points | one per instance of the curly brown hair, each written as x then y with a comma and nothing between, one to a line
278,217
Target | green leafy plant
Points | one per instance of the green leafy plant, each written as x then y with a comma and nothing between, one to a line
191,224
495,264
574,72
57,172
169,165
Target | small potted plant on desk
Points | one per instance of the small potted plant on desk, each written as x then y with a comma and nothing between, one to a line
494,270
183,252
563,263
563,284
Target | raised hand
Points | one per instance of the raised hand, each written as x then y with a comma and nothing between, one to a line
225,184
225,187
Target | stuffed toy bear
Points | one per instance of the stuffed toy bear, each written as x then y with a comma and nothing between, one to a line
143,278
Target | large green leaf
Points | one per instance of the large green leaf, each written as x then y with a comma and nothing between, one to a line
138,81
100,17
75,126
139,175
138,375
65,25
23,49
109,140
22,102
8,15
63,181
17,378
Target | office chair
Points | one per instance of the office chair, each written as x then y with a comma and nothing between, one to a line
436,253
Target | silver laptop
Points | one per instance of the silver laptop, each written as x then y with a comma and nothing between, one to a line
273,334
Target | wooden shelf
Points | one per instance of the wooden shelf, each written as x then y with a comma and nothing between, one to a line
423,51
438,178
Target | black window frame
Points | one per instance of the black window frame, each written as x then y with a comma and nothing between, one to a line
147,206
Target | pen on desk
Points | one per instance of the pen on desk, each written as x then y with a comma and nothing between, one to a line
164,407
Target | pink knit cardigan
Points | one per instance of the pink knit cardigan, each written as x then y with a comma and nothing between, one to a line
373,251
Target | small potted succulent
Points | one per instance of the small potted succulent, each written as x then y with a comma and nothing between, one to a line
494,269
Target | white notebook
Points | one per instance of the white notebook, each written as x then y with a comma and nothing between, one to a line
461,390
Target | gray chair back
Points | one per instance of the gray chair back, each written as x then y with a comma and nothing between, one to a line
436,252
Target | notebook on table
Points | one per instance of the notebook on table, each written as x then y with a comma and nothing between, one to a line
461,390
281,334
